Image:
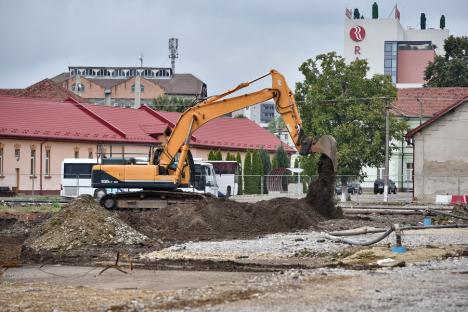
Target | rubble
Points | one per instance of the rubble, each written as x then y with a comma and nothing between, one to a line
83,222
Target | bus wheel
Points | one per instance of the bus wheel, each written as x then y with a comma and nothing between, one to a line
99,193
109,202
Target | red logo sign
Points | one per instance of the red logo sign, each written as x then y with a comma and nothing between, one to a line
357,33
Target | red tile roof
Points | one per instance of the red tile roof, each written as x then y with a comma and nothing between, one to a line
433,100
232,133
44,89
441,113
71,120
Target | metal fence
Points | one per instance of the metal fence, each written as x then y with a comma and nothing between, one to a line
421,188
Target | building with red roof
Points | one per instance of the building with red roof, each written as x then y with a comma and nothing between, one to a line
37,134
416,106
441,153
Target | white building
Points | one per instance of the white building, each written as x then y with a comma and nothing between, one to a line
391,49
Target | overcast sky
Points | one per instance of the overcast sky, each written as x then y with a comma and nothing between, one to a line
221,42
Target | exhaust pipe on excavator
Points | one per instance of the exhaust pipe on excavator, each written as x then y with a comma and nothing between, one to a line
325,145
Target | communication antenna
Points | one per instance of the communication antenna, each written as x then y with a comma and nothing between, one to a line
140,57
173,53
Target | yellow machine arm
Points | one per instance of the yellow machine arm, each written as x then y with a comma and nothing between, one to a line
217,106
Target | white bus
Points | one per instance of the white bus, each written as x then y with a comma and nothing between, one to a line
227,174
76,177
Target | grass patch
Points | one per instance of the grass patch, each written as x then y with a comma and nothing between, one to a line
54,207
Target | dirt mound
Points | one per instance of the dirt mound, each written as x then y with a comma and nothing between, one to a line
83,222
321,194
217,219
220,219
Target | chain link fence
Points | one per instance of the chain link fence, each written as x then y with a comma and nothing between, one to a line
254,187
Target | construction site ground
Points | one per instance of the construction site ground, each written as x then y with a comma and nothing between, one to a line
203,258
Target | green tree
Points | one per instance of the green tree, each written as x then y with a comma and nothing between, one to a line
375,11
257,171
356,14
240,188
341,101
275,124
450,70
442,22
274,162
171,103
211,155
248,173
218,155
282,157
423,21
228,156
266,167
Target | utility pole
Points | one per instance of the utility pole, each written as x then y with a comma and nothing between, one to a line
420,110
387,139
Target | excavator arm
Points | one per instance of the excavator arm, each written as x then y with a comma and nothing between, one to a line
217,106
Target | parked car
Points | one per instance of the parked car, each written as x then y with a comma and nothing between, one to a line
379,186
353,188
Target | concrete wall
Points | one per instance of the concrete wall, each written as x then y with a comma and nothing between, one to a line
441,156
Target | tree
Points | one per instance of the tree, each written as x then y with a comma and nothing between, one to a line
171,103
450,70
228,156
248,173
274,162
356,14
218,155
442,22
211,155
423,21
240,188
339,100
275,124
266,167
282,157
375,11
257,172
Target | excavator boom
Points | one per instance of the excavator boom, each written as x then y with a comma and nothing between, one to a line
171,166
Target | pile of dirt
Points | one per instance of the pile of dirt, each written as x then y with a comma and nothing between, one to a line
221,219
218,219
83,222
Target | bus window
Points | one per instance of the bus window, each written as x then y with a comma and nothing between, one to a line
77,170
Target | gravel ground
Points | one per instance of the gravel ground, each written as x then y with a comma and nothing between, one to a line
428,286
286,245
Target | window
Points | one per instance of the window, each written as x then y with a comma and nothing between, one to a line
1,160
142,88
409,171
33,163
90,153
78,87
76,149
17,154
47,162
77,171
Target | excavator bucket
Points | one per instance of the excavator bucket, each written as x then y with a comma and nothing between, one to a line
326,145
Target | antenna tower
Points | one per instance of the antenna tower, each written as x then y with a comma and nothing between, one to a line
173,51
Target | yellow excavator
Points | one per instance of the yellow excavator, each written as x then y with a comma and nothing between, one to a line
171,166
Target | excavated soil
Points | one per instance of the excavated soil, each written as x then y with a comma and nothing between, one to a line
220,219
83,225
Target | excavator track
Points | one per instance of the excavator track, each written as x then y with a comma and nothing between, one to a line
150,199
